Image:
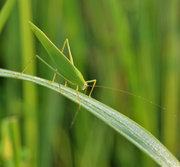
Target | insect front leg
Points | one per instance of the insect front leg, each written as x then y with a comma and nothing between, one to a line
76,113
94,83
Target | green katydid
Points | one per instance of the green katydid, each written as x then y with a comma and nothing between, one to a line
64,67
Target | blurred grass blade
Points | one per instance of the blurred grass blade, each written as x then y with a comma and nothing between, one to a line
11,142
5,12
30,106
128,128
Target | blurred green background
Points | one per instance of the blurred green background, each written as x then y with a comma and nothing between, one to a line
124,44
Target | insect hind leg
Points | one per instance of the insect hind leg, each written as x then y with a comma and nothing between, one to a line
26,67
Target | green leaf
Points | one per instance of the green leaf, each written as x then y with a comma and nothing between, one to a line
5,12
123,125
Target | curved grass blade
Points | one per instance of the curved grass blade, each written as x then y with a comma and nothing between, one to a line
5,12
125,126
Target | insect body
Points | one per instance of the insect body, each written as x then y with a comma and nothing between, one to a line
64,67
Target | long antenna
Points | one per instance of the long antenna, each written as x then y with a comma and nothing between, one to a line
131,94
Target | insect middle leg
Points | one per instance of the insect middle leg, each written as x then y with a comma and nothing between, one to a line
65,84
66,42
54,77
